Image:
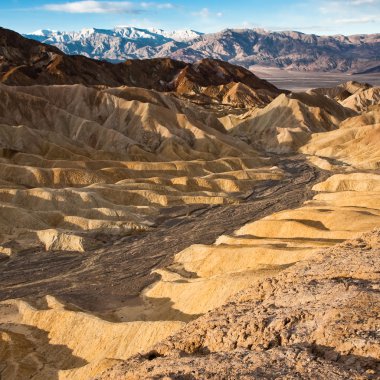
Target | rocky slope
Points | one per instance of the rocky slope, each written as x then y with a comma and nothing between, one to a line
288,121
316,320
106,161
247,47
333,285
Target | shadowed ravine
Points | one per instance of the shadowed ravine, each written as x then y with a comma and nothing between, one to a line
111,277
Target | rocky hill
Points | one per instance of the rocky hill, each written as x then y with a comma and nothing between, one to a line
25,62
246,47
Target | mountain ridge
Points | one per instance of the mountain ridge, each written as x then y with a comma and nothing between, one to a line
207,81
289,50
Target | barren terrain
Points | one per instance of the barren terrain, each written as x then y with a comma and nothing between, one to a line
81,278
304,80
169,220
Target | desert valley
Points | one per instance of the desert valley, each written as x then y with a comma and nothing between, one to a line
184,218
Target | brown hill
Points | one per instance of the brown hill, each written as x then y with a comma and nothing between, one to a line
355,142
288,121
365,100
107,159
27,62
342,91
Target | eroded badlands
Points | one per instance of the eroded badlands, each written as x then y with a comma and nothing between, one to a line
217,228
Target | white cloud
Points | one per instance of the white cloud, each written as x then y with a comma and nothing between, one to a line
346,5
206,13
357,20
362,2
93,6
353,2
350,11
158,6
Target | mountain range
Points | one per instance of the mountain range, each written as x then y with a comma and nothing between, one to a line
246,47
25,61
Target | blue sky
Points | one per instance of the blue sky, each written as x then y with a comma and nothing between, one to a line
309,16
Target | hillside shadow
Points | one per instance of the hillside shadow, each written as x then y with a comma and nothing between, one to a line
348,361
154,309
32,353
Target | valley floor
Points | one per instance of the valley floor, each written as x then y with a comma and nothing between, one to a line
302,81
113,276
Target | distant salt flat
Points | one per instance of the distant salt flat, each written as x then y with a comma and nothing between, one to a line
301,81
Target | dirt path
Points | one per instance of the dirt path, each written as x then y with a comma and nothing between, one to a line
109,277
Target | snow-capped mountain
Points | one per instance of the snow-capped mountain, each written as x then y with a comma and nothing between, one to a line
177,35
246,47
115,44
120,31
